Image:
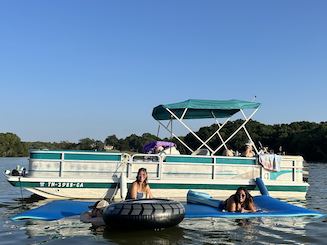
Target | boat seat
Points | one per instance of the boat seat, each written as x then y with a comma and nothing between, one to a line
201,152
171,151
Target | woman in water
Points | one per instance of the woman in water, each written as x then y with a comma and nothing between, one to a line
241,201
140,187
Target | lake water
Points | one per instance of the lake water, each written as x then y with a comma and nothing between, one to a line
196,231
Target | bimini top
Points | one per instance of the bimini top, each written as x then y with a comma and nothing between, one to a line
201,109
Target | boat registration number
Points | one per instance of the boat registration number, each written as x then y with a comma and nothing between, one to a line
62,184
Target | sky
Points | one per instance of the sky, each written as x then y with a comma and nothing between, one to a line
76,69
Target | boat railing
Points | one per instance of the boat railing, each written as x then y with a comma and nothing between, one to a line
212,167
71,164
186,166
291,170
152,162
74,163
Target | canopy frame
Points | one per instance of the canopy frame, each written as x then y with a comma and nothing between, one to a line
181,120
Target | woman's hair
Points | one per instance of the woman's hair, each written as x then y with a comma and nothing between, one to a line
145,183
248,197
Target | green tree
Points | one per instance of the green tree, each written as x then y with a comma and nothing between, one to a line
300,138
11,145
113,141
90,144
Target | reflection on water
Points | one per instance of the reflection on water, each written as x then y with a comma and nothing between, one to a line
166,236
245,230
57,228
191,231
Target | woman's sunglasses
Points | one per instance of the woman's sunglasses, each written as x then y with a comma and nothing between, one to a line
241,195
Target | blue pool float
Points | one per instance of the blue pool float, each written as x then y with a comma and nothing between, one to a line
201,205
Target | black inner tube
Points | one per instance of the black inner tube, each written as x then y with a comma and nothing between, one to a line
144,213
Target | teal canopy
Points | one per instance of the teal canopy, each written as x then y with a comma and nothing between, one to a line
200,109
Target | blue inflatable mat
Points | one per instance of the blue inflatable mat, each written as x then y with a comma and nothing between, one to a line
269,207
55,210
201,205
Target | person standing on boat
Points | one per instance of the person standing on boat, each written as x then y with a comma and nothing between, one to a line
241,201
140,187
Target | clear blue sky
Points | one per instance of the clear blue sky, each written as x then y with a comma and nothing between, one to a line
76,69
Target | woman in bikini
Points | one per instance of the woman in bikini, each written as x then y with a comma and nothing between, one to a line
140,187
241,201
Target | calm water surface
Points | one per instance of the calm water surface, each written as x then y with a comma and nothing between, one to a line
195,231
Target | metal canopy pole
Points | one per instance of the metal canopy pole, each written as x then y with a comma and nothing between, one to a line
158,130
204,143
247,133
219,135
175,136
217,131
233,134
171,130
171,127
194,134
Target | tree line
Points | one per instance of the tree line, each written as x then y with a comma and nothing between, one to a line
298,138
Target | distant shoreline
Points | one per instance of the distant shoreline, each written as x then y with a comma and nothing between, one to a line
306,139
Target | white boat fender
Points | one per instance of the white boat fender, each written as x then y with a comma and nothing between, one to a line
123,186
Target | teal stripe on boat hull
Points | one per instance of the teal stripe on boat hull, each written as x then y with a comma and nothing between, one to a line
235,161
186,159
56,184
94,157
75,156
53,184
226,187
46,156
189,159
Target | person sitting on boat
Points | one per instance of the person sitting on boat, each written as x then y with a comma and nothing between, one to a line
158,149
140,187
241,201
228,152
94,215
248,152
